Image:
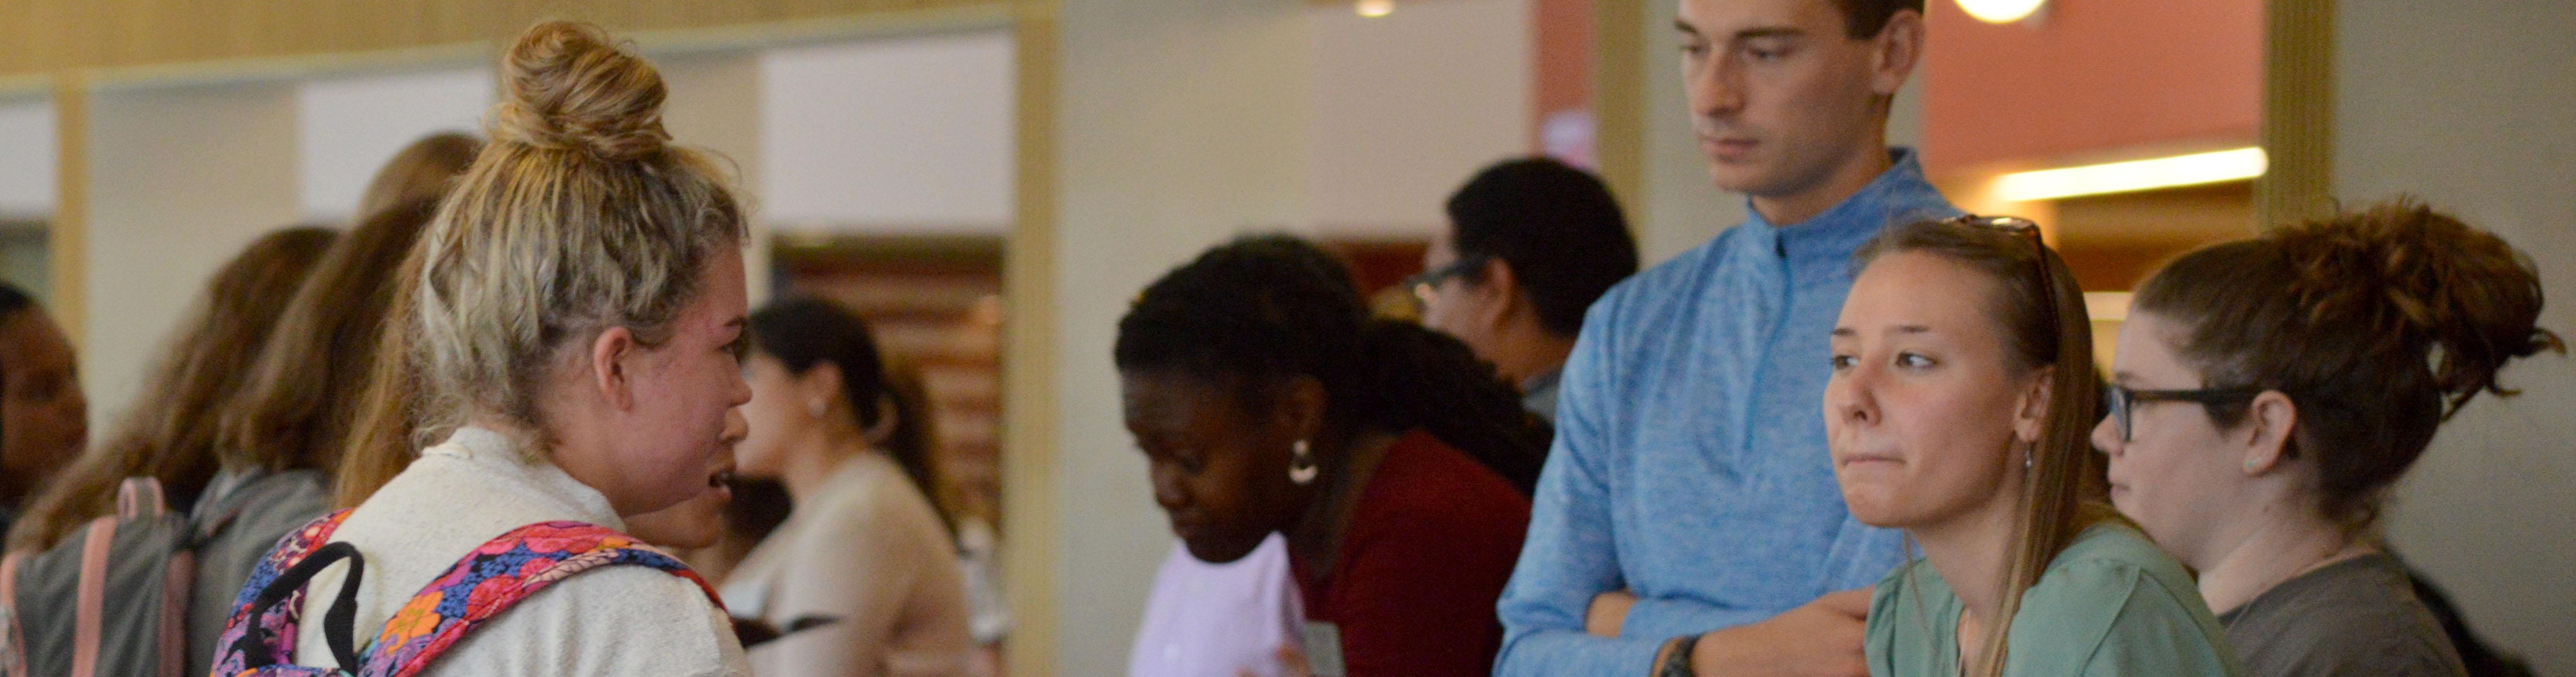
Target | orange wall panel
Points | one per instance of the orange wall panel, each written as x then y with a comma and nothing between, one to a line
2090,75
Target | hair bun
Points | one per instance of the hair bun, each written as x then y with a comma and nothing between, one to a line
2431,282
569,87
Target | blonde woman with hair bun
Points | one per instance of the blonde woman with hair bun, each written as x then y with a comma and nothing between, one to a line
574,327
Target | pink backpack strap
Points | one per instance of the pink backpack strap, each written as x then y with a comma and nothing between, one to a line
249,637
497,575
16,660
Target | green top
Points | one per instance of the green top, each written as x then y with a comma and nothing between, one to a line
2110,604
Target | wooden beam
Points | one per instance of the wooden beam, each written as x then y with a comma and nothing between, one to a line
1030,336
67,234
2298,112
1619,102
38,36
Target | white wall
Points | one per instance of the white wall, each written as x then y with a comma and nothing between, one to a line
348,127
706,110
1681,208
26,158
905,134
2482,129
181,178
1409,105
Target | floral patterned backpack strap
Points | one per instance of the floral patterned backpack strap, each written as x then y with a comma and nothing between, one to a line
500,573
258,636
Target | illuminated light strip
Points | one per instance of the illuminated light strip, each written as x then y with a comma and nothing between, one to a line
2120,177
1375,8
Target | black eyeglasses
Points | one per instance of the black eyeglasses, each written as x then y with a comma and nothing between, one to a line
1424,283
2124,401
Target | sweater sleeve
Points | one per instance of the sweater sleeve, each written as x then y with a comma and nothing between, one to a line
1570,556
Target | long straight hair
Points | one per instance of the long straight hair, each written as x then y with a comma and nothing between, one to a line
2042,313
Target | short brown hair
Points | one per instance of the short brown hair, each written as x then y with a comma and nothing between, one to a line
2378,324
1867,18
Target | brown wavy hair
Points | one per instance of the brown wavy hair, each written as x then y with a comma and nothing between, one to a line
2378,324
2041,311
173,432
303,395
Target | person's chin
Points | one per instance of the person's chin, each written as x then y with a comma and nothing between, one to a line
1738,177
1216,548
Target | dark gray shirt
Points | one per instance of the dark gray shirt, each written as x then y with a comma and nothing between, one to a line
2354,617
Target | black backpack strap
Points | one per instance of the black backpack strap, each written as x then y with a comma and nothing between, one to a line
336,623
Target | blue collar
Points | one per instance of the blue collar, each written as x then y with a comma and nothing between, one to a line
1898,195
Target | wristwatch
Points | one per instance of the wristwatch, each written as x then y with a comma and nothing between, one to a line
1678,663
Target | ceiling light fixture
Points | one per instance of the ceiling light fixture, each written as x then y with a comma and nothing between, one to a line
1375,8
2000,11
2121,177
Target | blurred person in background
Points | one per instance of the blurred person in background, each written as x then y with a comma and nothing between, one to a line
862,579
423,170
1531,244
44,418
1392,462
173,434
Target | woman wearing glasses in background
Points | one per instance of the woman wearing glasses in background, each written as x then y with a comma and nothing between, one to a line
1962,391
2268,392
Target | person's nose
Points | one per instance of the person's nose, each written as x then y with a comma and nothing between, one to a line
1716,87
2106,437
1167,488
1851,398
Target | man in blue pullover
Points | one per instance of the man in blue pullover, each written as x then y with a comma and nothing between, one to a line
1688,522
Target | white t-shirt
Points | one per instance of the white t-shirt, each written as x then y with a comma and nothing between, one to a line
616,621
1218,620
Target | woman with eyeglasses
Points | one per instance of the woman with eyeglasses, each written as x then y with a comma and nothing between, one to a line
2268,392
1961,393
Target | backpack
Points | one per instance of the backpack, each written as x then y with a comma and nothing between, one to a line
114,598
486,582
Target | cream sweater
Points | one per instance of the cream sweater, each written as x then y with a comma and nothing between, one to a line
622,620
868,551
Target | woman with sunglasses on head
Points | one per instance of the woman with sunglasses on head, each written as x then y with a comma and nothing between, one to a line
1962,390
2268,392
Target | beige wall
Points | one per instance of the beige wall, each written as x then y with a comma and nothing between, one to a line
2480,125
180,178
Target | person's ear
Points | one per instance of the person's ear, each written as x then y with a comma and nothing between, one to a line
817,386
2269,423
609,370
1896,52
1497,290
1301,408
2030,414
